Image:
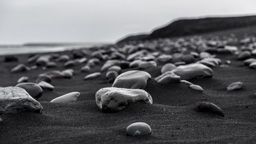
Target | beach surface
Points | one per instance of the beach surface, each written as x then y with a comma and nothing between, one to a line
172,116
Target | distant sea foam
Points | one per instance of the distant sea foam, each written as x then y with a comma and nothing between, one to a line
43,48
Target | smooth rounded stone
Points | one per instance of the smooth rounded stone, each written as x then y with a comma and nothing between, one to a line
63,58
111,99
204,55
10,58
249,61
196,87
32,59
111,76
70,63
235,86
232,49
115,68
54,74
138,129
179,63
192,71
164,58
244,55
23,79
43,60
82,60
86,68
92,76
33,67
15,99
98,54
33,89
168,77
67,98
188,58
20,68
148,58
211,62
132,79
135,63
43,77
186,82
68,73
253,65
45,85
92,62
109,64
51,65
147,64
209,107
167,67
137,55
77,54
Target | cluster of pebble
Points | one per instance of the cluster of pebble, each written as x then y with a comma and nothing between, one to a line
125,68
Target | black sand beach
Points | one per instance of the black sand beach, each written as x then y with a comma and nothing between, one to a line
172,116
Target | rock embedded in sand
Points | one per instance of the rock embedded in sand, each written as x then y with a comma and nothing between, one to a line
244,55
45,85
252,65
67,98
147,64
20,68
23,79
109,64
196,87
132,79
167,67
249,61
33,89
63,58
111,76
111,99
92,76
235,86
86,68
168,77
43,60
70,63
209,107
15,99
192,71
68,73
138,129
43,77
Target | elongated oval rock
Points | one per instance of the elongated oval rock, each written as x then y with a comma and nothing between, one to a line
138,129
92,76
33,89
235,86
168,77
15,99
45,85
209,107
192,71
23,79
132,79
196,87
20,68
67,98
113,99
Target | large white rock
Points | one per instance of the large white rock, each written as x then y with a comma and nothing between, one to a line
190,71
67,98
15,99
132,79
113,99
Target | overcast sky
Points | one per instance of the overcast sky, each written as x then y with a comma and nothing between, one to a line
101,20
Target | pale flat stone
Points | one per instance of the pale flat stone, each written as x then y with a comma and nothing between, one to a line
67,98
138,129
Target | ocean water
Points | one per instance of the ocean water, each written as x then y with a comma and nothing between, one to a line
24,49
